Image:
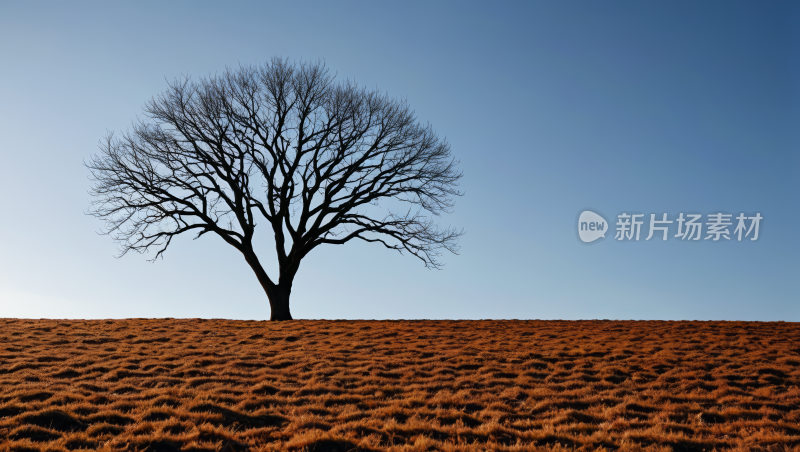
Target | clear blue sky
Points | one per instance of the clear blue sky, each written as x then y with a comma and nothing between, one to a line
550,106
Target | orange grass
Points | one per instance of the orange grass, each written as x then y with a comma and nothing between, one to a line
208,385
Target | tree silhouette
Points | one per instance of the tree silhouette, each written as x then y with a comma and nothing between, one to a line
318,159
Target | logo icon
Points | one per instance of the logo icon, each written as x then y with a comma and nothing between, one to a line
591,226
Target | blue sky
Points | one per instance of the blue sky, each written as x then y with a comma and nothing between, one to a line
551,107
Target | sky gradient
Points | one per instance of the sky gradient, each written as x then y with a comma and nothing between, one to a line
551,107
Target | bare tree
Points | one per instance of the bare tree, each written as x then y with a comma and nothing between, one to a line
316,158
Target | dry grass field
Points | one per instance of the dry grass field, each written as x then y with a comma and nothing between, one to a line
208,385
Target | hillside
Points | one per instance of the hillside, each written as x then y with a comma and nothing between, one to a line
166,384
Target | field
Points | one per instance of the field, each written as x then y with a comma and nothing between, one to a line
208,385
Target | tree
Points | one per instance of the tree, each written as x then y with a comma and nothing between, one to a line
322,161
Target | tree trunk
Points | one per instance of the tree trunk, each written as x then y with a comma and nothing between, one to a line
279,302
278,294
